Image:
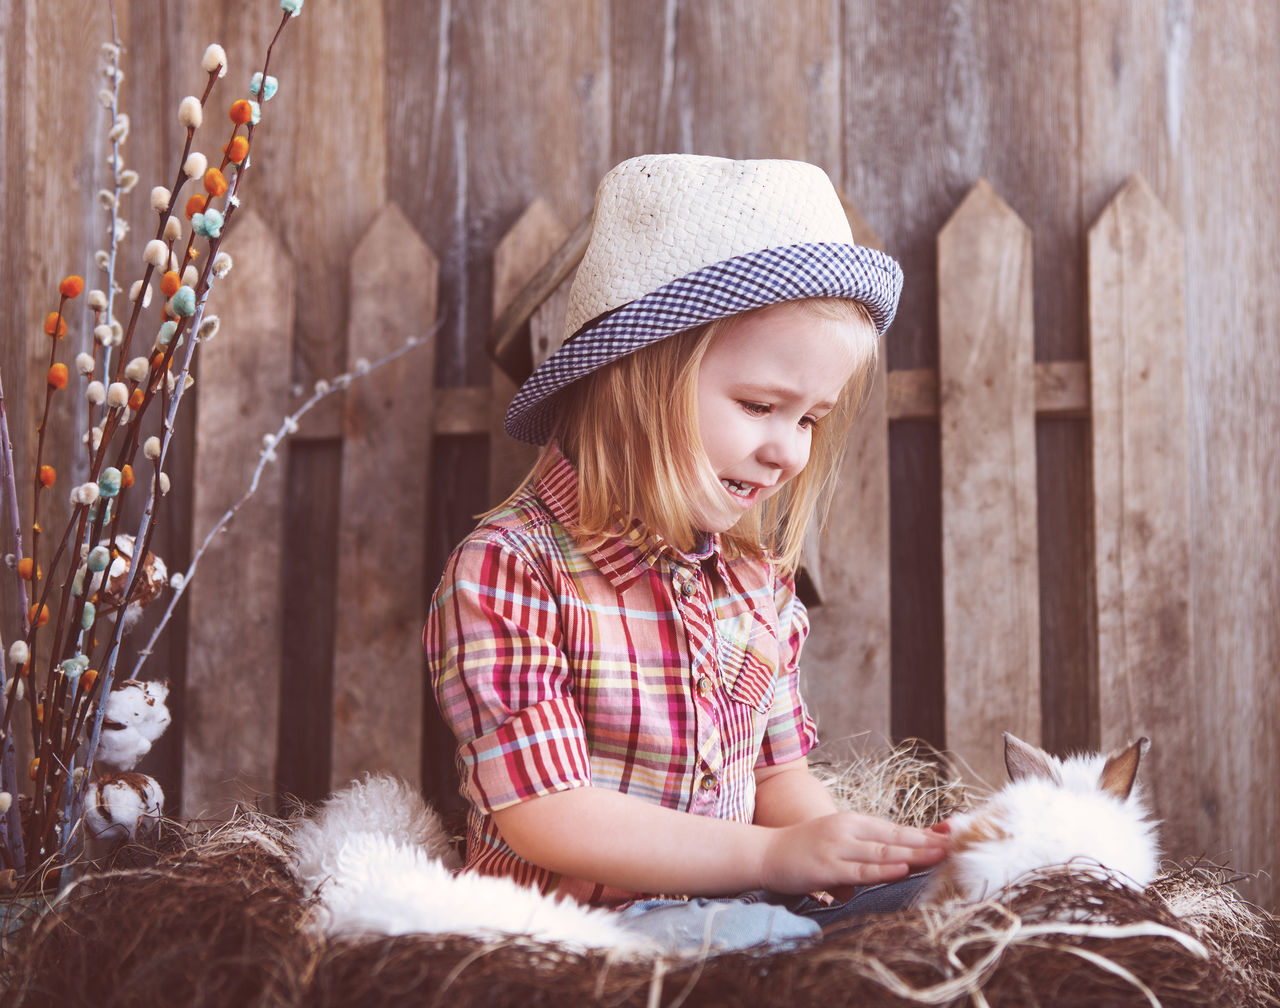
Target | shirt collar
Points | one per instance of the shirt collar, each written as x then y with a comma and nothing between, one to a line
623,559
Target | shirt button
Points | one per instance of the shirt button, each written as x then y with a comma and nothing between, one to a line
687,588
708,782
704,686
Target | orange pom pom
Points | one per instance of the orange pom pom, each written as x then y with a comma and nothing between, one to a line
38,615
196,205
169,283
241,111
47,475
237,150
215,183
34,772
88,679
135,398
71,286
126,475
40,712
57,377
25,568
55,324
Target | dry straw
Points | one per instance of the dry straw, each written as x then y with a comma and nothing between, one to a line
218,918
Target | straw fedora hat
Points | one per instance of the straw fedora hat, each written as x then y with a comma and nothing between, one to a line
678,240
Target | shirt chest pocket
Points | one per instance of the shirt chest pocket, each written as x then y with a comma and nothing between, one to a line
747,650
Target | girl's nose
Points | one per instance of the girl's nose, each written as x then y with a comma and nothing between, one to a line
787,449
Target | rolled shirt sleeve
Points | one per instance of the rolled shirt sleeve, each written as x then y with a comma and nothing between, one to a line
501,679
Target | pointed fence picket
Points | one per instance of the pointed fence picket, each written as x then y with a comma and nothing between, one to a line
232,689
986,409
1138,334
386,477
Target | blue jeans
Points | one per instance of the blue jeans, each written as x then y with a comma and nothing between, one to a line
762,920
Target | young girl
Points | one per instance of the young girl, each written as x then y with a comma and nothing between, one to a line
616,647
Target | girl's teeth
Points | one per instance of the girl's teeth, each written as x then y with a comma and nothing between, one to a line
734,487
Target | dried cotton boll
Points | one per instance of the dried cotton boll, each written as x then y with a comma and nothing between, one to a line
138,289
97,300
151,448
190,277
84,363
127,180
215,58
196,165
19,653
172,232
121,808
137,369
120,129
117,395
102,260
102,334
221,265
6,800
107,199
121,229
156,253
191,114
164,484
160,197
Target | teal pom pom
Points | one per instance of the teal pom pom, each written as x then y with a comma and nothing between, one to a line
166,333
88,616
255,113
207,224
99,558
184,301
292,7
268,88
109,482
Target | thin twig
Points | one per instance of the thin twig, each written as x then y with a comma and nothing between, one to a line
287,427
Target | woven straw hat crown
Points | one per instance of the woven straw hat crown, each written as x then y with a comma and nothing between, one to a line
679,240
662,217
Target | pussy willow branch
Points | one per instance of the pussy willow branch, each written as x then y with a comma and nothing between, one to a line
11,834
114,245
287,427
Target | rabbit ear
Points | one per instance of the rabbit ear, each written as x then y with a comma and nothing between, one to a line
1025,761
1121,768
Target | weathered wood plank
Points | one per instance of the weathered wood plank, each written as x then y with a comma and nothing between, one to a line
1137,324
847,654
989,542
522,254
1234,410
378,665
235,634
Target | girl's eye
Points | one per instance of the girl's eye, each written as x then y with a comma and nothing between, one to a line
755,408
808,422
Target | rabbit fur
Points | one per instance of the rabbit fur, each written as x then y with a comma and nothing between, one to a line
1084,812
379,862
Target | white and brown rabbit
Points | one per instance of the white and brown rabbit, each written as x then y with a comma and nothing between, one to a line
1082,812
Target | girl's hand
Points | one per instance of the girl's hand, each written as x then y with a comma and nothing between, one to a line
846,849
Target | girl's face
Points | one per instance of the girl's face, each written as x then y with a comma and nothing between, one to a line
764,383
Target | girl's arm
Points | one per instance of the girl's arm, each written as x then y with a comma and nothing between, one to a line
788,793
618,840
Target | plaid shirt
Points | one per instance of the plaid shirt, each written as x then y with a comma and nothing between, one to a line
631,666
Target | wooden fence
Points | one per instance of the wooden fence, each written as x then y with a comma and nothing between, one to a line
986,395
1010,547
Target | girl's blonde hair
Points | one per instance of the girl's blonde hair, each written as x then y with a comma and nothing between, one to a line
631,431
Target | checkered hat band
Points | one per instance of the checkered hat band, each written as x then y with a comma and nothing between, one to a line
726,288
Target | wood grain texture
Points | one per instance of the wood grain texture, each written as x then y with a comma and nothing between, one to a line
1137,326
378,664
520,255
1231,191
846,658
987,416
236,633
